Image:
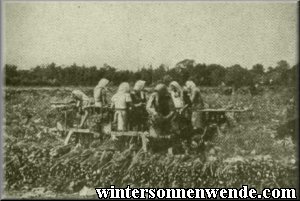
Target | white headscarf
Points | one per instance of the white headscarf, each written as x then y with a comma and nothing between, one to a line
102,83
190,84
124,87
79,94
97,90
176,85
139,85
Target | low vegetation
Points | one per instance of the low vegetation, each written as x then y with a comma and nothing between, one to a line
250,153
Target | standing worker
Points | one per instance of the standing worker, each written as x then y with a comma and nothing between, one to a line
182,103
196,104
177,96
138,114
100,93
121,103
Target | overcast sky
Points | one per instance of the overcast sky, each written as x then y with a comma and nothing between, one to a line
129,35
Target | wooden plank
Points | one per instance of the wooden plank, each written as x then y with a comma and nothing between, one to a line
222,110
94,107
126,133
137,133
77,130
83,130
64,107
59,103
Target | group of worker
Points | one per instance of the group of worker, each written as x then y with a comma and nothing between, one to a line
133,110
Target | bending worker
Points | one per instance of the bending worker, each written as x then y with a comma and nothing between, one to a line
82,101
161,109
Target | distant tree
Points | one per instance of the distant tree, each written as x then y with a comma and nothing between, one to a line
279,75
146,74
159,73
11,75
109,72
283,68
270,69
182,70
282,65
216,74
258,74
92,77
258,69
167,79
186,63
293,74
200,73
237,76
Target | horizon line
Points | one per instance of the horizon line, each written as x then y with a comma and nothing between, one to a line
143,66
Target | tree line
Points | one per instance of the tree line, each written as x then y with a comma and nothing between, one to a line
202,74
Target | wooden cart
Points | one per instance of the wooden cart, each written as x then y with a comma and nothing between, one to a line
210,118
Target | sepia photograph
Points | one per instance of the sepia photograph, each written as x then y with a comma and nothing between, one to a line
149,99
